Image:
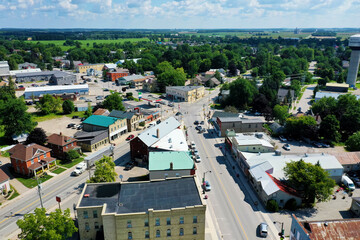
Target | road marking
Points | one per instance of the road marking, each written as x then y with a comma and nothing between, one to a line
222,185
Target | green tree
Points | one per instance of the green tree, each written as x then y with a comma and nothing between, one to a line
104,170
303,126
88,111
329,128
49,104
242,93
38,225
171,77
68,107
281,113
324,106
231,109
37,136
49,66
114,102
353,142
193,68
71,155
217,75
312,180
14,118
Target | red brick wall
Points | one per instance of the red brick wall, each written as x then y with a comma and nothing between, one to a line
113,76
139,149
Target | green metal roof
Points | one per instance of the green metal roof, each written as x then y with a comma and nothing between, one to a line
161,160
99,120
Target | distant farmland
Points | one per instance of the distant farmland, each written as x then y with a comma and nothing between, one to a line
90,42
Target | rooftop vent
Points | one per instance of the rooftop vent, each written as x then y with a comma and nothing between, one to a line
326,224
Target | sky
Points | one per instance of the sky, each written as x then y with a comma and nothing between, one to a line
186,14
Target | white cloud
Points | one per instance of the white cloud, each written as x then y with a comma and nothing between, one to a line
2,7
67,5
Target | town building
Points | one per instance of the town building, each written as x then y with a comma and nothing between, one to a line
37,92
85,67
168,164
238,124
31,159
133,118
217,114
61,144
324,229
62,78
159,137
322,94
92,141
209,81
115,126
27,65
185,93
349,160
167,209
4,69
337,87
29,70
255,143
110,66
118,74
4,181
53,77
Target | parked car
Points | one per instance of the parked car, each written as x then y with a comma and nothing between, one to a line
203,130
202,122
171,104
0,163
70,125
198,128
324,145
99,97
316,144
347,182
207,186
80,168
82,98
282,138
29,103
88,100
192,144
263,229
75,117
286,147
79,127
196,122
129,166
178,114
106,89
130,137
195,151
158,121
197,158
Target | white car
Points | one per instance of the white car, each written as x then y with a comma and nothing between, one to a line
193,146
197,158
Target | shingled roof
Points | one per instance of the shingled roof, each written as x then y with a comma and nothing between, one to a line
59,139
26,152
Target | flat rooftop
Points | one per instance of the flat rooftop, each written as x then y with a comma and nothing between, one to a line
140,196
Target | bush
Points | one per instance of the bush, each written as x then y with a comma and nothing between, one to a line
272,205
129,94
291,204
142,124
71,155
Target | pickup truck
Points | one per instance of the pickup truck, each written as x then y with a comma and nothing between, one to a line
80,168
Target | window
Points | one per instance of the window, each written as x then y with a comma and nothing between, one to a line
168,233
157,222
44,155
181,233
129,235
32,161
96,225
157,233
86,214
194,219
168,221
249,125
181,220
147,235
129,224
146,223
194,230
87,227
166,175
177,175
95,214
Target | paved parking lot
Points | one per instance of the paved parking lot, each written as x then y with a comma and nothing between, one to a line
59,125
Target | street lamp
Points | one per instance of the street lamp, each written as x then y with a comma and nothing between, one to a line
281,234
203,180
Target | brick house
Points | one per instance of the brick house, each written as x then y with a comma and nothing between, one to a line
4,181
61,144
31,159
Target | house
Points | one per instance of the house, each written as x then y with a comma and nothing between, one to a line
276,127
150,115
324,229
355,206
149,140
101,111
168,164
82,89
133,118
110,66
238,124
122,61
185,93
115,126
285,95
92,141
61,144
4,182
337,87
171,208
31,159
256,143
212,82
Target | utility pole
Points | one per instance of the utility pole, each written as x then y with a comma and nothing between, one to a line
39,191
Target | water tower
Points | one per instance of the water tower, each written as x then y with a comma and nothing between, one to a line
354,44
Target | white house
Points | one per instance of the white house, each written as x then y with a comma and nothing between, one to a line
4,181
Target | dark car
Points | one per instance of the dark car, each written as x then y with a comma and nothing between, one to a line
75,117
316,144
202,122
129,166
158,121
83,119
71,125
199,128
196,122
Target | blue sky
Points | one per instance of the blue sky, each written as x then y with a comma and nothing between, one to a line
179,13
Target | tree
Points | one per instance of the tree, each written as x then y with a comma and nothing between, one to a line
114,102
193,68
68,107
312,180
242,93
71,66
71,155
353,142
104,170
14,118
171,77
37,136
49,66
281,113
49,104
88,111
217,75
303,126
231,109
38,225
329,128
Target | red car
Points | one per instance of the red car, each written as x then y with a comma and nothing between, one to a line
130,137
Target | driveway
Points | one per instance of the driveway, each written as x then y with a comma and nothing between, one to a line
305,101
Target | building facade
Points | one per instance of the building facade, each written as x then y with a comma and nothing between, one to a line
115,75
57,90
4,69
115,126
185,93
239,125
107,210
133,118
53,77
83,68
61,144
92,141
62,78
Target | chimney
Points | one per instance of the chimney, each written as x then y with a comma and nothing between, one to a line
158,133
171,165
60,133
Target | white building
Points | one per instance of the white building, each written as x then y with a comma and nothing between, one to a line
4,69
64,89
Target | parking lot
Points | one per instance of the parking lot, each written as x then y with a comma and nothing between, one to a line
59,125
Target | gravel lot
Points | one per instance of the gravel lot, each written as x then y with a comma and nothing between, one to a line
59,125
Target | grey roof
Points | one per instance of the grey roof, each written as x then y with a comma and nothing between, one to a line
93,137
141,196
122,114
243,120
132,77
282,93
184,88
224,114
46,73
165,127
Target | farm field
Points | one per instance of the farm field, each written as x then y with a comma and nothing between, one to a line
88,44
248,34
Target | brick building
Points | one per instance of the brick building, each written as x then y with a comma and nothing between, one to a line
61,144
118,74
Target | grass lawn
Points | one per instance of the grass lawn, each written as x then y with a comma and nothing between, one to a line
58,170
15,193
71,164
40,118
31,182
216,106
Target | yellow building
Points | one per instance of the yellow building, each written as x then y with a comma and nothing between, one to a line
185,93
83,68
168,209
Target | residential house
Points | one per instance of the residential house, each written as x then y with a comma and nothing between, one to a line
285,96
185,93
238,124
209,81
4,182
101,111
115,126
135,81
61,144
92,141
110,66
167,209
212,82
133,118
324,229
31,159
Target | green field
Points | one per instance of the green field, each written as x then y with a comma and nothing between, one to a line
248,34
90,42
